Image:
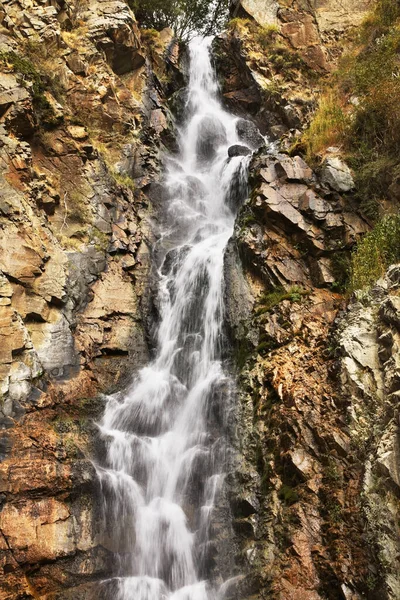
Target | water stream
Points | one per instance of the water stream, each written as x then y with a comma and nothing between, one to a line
165,438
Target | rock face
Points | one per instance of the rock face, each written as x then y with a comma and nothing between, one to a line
270,57
315,489
308,26
78,148
297,471
264,12
368,338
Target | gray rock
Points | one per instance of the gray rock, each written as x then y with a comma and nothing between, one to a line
337,175
264,12
238,150
211,135
293,168
249,134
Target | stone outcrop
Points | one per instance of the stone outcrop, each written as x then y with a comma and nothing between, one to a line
82,120
298,479
368,340
296,229
311,27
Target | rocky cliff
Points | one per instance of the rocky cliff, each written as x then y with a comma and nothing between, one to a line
84,118
83,122
315,496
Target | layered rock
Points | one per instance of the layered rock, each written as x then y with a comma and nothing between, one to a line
296,490
82,121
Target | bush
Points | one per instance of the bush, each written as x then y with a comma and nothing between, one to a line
185,17
376,252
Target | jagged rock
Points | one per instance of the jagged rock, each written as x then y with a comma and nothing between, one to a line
114,31
389,311
337,175
77,65
293,168
314,205
238,150
77,132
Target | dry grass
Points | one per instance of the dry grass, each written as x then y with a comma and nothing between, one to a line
329,126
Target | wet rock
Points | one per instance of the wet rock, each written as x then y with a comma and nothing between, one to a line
248,132
211,135
238,150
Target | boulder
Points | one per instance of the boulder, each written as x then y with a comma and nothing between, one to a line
211,135
337,175
249,134
238,150
264,12
293,168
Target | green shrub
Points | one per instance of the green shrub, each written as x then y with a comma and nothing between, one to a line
39,82
265,36
376,252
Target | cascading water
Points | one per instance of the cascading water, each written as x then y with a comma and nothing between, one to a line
165,446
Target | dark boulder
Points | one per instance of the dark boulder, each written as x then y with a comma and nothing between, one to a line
211,135
249,134
238,150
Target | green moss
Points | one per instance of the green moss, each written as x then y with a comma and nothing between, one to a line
123,180
335,511
243,352
266,346
287,495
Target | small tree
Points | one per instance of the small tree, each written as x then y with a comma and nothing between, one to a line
185,17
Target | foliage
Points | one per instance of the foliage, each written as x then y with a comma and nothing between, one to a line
287,495
376,252
268,301
185,17
340,268
266,35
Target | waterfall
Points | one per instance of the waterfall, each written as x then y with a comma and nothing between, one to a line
165,441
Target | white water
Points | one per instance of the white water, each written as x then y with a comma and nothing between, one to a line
165,446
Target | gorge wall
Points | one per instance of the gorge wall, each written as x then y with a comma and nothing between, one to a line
84,114
82,126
